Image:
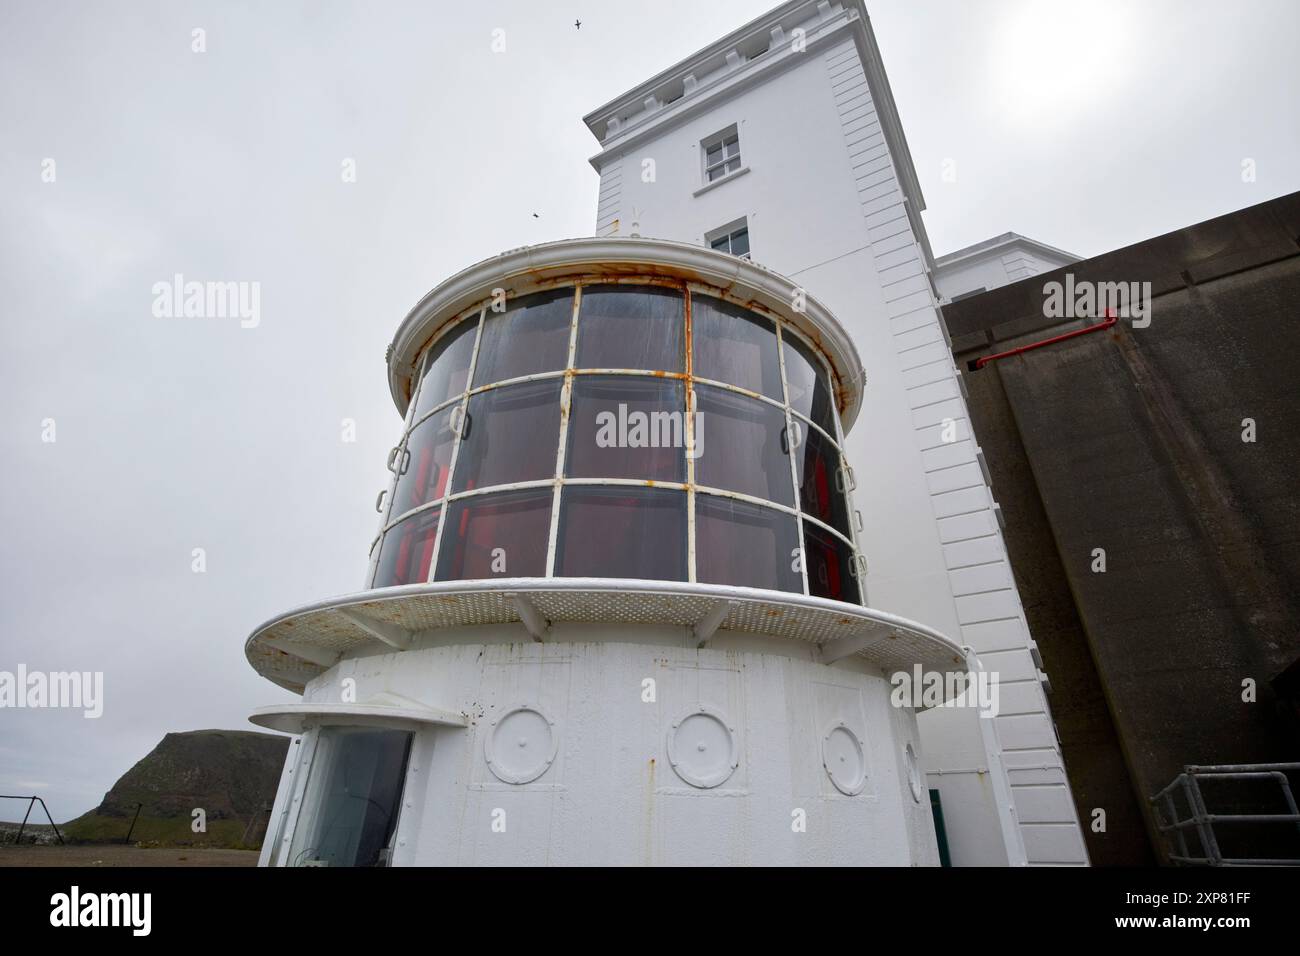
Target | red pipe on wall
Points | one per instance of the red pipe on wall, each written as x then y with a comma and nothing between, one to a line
1109,321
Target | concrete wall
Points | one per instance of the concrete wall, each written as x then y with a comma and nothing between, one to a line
1131,440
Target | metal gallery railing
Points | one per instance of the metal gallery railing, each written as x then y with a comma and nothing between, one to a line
1201,821
31,803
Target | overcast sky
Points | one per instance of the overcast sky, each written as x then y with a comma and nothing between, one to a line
1085,125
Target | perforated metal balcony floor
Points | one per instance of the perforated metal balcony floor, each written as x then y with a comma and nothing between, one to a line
300,644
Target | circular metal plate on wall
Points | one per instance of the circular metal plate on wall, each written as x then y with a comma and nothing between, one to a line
913,773
520,745
702,748
844,760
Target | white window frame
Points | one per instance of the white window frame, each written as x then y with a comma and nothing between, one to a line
722,138
298,814
727,231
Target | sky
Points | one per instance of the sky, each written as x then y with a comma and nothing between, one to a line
346,157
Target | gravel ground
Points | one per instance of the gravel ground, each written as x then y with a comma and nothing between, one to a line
110,855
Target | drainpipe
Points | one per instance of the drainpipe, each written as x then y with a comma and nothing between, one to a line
979,363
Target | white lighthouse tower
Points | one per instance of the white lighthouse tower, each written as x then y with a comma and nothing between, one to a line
615,612
781,141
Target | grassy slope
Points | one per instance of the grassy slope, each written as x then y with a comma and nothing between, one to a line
232,775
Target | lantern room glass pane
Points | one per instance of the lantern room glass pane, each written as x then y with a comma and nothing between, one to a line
510,434
810,391
829,561
631,327
407,550
446,367
627,426
820,479
745,545
741,445
423,463
627,532
496,536
735,346
531,336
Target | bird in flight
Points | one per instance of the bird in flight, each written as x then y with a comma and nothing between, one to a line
577,24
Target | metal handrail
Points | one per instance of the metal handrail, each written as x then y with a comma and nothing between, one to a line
1110,319
31,802
1189,781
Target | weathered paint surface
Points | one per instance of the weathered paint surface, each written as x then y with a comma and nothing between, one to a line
611,794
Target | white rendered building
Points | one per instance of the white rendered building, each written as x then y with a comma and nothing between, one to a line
615,610
994,263
781,142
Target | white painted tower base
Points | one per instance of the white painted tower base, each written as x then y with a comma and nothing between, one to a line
644,742
822,773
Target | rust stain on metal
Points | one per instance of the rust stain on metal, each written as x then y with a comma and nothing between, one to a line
618,371
641,273
690,332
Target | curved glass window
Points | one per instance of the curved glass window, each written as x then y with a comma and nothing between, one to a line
446,369
746,545
496,536
633,327
830,565
621,532
572,437
407,550
627,426
733,345
810,391
424,462
509,435
531,336
821,481
741,445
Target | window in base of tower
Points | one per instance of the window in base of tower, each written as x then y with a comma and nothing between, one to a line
350,809
621,532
